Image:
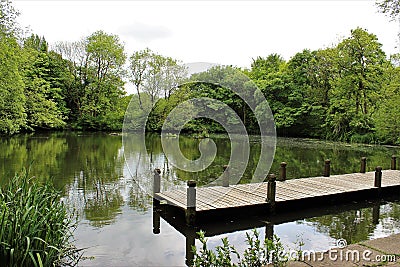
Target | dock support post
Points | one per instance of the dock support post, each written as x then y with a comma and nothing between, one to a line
282,172
327,169
191,203
378,177
225,178
376,213
269,231
156,221
156,184
393,163
363,164
271,191
190,242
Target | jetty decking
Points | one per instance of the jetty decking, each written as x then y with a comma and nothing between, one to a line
220,197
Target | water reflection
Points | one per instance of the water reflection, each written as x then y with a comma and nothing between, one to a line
353,222
116,214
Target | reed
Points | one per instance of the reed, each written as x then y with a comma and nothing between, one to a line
36,228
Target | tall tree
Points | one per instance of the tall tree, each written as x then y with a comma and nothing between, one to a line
138,65
75,60
101,85
360,64
42,108
12,98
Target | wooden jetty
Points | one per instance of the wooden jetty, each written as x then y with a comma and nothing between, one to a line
229,223
280,196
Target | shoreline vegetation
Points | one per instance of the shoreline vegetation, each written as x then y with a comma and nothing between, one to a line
36,228
346,92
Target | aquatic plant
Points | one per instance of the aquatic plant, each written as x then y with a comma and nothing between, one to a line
258,252
36,228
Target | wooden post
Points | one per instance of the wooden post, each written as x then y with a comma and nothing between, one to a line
363,164
393,163
225,178
190,242
376,212
156,181
378,177
271,191
327,169
282,172
269,231
156,221
191,203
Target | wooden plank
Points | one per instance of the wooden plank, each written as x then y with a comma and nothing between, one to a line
347,186
223,198
219,197
318,185
171,201
260,191
316,189
242,195
390,178
295,192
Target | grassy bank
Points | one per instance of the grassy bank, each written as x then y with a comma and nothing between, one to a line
35,226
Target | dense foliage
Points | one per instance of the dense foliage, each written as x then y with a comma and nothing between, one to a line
35,227
258,253
346,92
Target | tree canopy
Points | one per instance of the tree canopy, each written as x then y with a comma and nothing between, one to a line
348,91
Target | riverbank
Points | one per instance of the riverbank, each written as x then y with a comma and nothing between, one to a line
378,252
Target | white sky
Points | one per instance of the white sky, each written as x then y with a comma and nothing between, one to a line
225,32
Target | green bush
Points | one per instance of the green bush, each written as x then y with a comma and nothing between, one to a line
35,226
258,253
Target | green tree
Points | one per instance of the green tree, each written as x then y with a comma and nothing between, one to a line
41,105
218,83
138,65
12,98
104,84
271,75
360,64
75,77
386,119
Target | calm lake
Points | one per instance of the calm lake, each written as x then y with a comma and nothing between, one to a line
116,214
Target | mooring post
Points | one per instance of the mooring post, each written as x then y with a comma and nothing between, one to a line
282,172
190,242
376,213
327,169
363,164
156,221
225,178
271,191
378,177
191,203
157,181
269,231
393,163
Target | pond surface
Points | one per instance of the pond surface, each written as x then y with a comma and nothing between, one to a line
116,215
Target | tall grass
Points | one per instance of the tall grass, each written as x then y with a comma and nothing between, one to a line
35,226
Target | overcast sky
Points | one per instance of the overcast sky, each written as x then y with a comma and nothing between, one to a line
226,32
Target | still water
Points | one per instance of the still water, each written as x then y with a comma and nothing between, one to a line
116,215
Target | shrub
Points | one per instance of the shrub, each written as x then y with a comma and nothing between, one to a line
258,253
35,226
